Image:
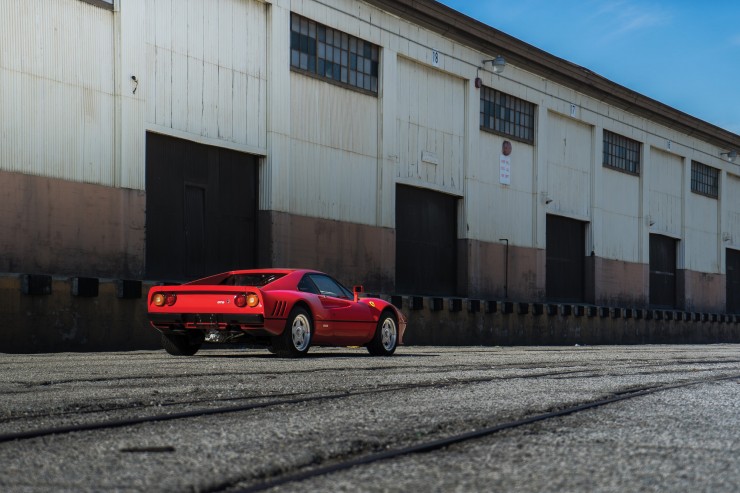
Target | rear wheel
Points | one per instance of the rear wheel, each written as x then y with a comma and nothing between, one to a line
386,336
182,344
296,337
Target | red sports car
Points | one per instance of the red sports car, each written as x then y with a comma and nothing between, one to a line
287,310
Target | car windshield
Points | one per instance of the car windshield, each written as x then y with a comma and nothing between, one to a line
252,279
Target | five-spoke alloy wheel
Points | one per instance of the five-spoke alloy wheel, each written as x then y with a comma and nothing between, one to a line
386,336
296,338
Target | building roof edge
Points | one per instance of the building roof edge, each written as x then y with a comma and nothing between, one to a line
486,39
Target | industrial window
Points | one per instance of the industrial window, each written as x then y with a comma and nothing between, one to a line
331,54
507,115
704,180
621,153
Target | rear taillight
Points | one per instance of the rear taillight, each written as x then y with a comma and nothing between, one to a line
161,299
249,299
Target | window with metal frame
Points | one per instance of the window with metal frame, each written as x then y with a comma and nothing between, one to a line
621,153
333,55
507,115
704,180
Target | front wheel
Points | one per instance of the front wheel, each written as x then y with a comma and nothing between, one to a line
386,336
182,344
296,337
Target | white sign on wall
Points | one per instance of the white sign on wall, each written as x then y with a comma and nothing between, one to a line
505,170
505,163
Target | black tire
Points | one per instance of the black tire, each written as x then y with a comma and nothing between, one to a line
182,344
385,341
296,337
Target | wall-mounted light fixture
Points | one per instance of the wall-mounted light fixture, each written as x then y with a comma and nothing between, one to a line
136,83
731,155
498,64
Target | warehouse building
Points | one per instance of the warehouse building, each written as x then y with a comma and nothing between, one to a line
394,143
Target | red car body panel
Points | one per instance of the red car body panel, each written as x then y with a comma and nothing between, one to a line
207,304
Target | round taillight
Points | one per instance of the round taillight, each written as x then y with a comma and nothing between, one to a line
158,299
170,299
252,300
240,300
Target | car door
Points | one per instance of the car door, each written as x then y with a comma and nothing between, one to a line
351,322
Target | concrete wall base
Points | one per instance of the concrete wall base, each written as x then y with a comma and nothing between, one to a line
60,321
114,319
464,322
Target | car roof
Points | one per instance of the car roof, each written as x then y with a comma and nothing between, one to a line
274,270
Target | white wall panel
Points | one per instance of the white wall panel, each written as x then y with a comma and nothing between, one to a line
334,151
431,120
569,160
495,210
332,183
57,104
666,193
209,64
730,190
620,212
702,234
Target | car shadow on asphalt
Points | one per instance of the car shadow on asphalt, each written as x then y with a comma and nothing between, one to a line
256,354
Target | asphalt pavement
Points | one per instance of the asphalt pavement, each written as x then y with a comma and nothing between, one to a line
339,404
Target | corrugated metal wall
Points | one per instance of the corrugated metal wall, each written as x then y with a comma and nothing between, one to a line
334,151
207,68
57,86
666,193
431,127
619,196
68,111
510,203
569,166
702,234
731,197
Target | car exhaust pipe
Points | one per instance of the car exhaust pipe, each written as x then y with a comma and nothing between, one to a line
214,335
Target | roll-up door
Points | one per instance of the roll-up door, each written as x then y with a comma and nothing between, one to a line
201,209
426,242
565,259
733,281
662,271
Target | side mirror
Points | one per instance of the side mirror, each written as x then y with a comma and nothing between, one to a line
357,290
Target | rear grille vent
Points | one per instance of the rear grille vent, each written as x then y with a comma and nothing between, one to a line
278,310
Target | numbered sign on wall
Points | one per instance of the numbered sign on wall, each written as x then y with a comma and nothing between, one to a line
435,58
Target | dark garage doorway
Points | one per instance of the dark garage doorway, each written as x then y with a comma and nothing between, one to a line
201,209
663,271
565,259
426,242
732,263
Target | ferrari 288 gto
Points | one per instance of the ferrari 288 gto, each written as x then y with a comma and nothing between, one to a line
286,310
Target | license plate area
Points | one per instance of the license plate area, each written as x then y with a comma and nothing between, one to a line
201,320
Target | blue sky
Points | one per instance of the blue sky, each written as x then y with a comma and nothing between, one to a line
684,53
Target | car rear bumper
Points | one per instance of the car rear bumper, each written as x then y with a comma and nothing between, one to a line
206,320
